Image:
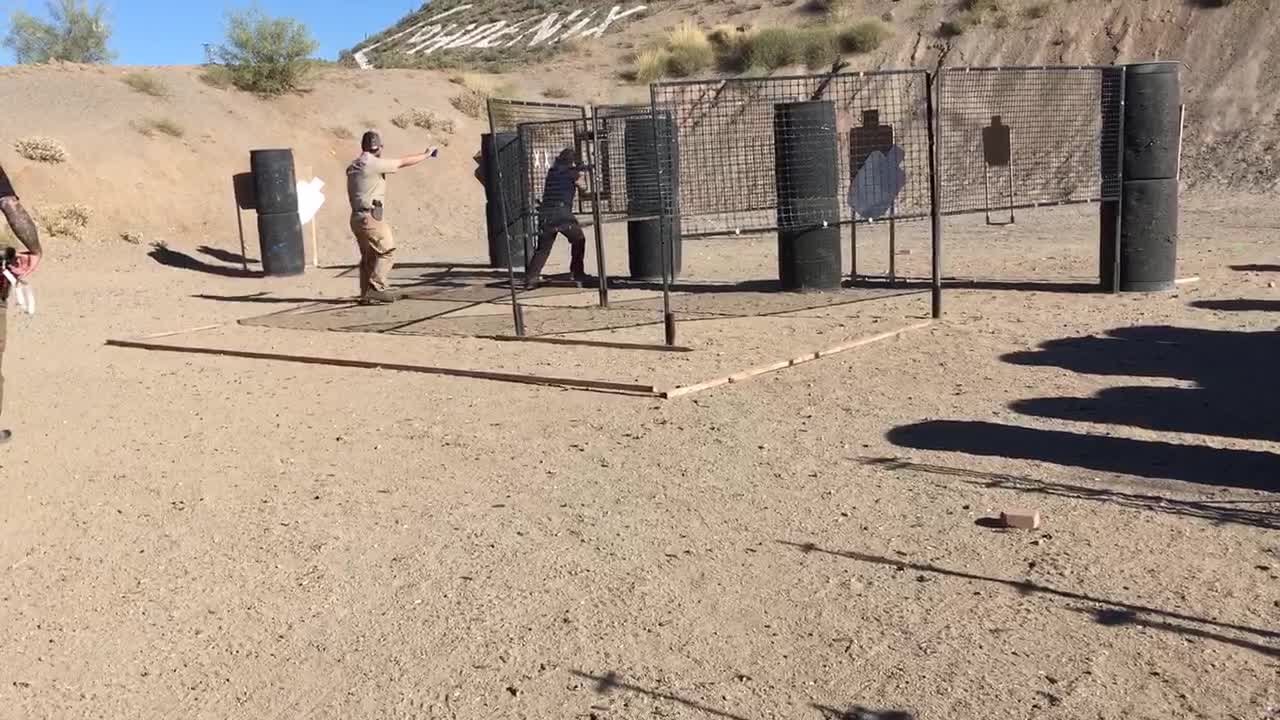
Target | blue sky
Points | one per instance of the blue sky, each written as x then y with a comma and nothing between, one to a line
156,32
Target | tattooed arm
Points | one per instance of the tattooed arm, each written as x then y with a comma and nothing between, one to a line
19,221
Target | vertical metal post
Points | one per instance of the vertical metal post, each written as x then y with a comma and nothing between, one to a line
517,314
244,257
935,211
893,246
1115,272
601,268
853,248
665,215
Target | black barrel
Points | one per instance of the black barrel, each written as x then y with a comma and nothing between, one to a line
1149,235
652,157
280,239
505,164
1152,98
807,176
275,184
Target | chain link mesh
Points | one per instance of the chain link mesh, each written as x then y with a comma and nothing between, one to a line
1022,137
727,132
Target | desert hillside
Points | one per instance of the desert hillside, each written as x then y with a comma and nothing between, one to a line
157,167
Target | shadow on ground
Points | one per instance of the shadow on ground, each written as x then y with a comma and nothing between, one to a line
169,257
1240,305
1218,511
1104,611
1256,268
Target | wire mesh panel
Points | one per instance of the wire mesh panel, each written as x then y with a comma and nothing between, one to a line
872,133
542,143
507,115
1022,137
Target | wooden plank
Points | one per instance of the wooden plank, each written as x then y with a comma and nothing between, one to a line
171,333
799,360
589,343
1185,280
575,383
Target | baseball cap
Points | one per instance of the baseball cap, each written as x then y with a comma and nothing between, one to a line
371,141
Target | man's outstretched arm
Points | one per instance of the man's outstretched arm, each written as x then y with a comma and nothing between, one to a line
16,215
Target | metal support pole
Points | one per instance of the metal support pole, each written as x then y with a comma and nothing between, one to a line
893,247
935,211
517,315
1115,272
853,248
666,216
601,271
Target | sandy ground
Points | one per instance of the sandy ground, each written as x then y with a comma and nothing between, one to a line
189,536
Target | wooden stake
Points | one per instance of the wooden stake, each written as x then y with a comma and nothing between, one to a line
171,333
1185,280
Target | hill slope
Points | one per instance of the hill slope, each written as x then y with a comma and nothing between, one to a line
178,190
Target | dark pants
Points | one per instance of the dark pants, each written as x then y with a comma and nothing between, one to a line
4,322
559,221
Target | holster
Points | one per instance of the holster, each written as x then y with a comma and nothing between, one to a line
376,212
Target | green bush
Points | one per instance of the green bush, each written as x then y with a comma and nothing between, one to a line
265,55
864,36
74,32
688,51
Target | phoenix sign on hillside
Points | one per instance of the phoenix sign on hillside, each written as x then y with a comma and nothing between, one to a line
449,30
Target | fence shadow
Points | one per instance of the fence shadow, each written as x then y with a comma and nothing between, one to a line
1218,511
1256,268
1201,464
1241,305
1104,611
611,681
858,712
169,257
1234,374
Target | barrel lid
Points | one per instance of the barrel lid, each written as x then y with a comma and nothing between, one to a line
1162,67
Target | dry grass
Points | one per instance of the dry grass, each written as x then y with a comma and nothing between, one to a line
556,92
162,126
959,24
688,51
424,119
147,84
864,36
216,76
1035,12
41,149
651,65
470,102
64,221
341,132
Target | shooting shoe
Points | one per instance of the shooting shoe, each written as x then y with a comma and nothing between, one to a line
377,297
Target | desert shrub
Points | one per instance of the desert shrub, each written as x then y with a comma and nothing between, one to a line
341,133
424,119
265,55
981,6
41,149
1035,12
775,47
556,92
837,11
74,32
147,84
689,51
216,76
470,102
651,65
864,36
66,221
153,126
959,24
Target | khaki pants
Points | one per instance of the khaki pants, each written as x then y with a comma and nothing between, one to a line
376,249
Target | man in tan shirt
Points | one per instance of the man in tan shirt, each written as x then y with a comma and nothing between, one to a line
15,265
367,190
